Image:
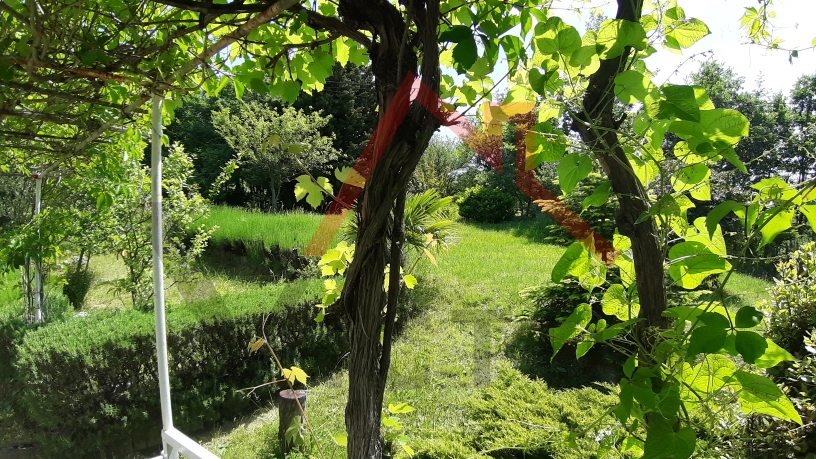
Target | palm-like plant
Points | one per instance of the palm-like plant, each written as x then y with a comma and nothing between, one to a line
429,227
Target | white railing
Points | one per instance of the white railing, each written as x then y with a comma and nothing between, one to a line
173,441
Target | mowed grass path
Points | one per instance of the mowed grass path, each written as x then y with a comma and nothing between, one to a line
443,356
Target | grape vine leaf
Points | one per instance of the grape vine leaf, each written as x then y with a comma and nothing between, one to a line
313,192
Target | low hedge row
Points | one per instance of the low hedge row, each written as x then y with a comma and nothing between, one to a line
87,387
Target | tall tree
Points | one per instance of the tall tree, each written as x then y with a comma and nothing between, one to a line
273,145
801,162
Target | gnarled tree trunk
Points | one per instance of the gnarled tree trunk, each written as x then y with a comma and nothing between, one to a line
364,300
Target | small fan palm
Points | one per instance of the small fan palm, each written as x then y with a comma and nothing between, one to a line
428,225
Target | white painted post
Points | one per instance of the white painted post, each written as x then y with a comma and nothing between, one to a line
158,273
38,280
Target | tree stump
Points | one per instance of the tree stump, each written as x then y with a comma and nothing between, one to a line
287,412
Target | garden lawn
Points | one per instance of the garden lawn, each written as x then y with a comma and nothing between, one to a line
443,356
448,353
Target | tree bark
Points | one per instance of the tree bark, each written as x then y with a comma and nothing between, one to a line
597,128
364,299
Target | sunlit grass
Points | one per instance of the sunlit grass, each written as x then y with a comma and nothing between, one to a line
443,357
288,230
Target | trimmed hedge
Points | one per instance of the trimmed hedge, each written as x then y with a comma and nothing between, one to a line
484,205
88,386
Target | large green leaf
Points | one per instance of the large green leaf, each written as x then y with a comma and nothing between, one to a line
616,303
685,34
632,86
692,262
663,442
465,54
615,35
809,210
680,102
716,214
706,340
723,124
689,177
571,327
555,37
573,168
750,345
712,374
748,317
759,394
777,221
773,355
599,196
550,145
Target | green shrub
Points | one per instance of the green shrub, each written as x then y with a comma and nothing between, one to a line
484,205
518,417
78,280
88,386
792,325
792,308
772,438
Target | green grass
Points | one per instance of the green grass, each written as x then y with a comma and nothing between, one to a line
443,357
450,352
288,230
744,290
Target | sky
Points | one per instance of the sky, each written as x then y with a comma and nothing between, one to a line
729,45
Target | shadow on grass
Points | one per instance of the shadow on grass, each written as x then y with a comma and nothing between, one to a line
252,262
530,350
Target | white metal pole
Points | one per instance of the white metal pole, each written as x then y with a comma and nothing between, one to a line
38,280
158,264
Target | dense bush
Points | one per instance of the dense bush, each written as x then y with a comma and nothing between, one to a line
78,281
88,386
484,205
793,305
792,325
518,417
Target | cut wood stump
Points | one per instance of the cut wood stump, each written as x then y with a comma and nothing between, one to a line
288,410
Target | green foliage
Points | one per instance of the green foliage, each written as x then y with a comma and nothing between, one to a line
93,391
515,416
792,309
78,280
130,227
484,205
592,199
273,144
442,167
772,438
